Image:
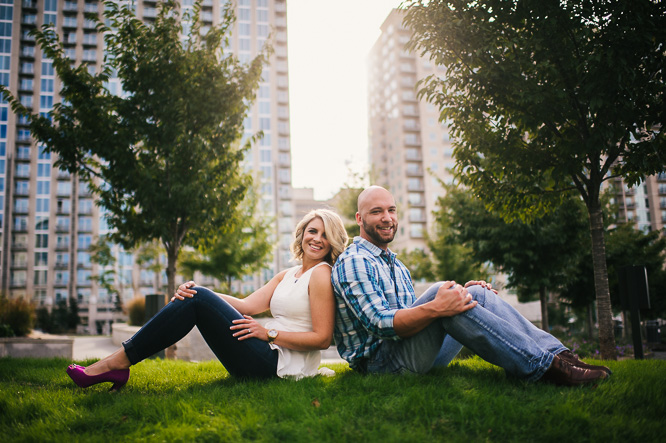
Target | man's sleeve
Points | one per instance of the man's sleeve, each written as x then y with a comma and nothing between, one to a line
358,283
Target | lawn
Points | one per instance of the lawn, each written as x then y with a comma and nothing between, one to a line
469,401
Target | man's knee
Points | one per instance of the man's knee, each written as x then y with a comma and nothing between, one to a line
479,293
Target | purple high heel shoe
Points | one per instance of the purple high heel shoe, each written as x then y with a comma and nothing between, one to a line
118,377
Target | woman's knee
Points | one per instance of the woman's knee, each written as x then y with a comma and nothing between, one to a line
203,292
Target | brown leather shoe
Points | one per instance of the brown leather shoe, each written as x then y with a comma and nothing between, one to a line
572,358
564,373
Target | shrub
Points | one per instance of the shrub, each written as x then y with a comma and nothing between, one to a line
136,311
6,331
18,314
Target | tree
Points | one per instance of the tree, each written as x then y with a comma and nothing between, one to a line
538,256
626,246
101,254
346,200
420,264
241,247
453,259
346,203
548,96
163,156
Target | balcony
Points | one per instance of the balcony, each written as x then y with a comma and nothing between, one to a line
149,13
415,187
414,171
70,7
413,141
20,245
90,7
412,155
89,39
29,19
28,52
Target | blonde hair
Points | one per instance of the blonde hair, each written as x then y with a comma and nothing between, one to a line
335,231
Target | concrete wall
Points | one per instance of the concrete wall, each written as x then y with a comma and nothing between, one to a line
23,347
192,347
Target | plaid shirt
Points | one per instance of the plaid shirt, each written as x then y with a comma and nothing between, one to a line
370,286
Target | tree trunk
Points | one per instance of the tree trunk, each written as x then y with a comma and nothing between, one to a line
589,320
604,313
543,296
172,257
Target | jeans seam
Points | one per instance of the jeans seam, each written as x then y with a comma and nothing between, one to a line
536,366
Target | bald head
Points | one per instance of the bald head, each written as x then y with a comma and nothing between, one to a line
377,216
371,193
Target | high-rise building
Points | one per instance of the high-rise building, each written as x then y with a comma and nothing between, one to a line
643,204
49,219
410,150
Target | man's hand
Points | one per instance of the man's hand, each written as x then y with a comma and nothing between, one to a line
452,299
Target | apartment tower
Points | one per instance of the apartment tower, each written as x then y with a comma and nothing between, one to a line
49,218
410,150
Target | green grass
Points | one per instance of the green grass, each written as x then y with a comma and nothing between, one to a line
469,401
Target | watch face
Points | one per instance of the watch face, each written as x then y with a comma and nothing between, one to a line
272,333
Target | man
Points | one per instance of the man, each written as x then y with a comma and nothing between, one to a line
382,328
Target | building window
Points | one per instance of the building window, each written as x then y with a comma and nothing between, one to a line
85,223
83,276
41,258
83,259
20,223
41,277
85,206
85,240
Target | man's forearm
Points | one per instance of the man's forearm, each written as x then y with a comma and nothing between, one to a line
410,321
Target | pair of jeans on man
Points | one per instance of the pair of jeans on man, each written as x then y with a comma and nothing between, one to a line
493,329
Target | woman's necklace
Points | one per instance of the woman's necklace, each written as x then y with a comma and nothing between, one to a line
303,272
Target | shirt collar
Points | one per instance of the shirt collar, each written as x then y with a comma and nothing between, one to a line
374,249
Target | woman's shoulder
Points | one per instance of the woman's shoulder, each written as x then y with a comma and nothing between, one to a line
322,270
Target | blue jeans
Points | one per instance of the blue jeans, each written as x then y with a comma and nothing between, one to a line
213,316
493,329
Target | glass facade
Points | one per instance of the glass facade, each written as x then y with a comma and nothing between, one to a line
53,219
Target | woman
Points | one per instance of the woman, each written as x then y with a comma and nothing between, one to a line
300,299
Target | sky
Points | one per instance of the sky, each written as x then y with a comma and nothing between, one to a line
329,42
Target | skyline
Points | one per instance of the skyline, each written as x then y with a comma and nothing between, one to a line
328,50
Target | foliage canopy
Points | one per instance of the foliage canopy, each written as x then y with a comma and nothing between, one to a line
546,97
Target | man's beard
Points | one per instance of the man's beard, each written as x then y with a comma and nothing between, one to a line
376,236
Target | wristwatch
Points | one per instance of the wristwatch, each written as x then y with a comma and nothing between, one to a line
272,335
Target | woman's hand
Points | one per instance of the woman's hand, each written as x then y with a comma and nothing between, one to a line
481,283
184,291
248,327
